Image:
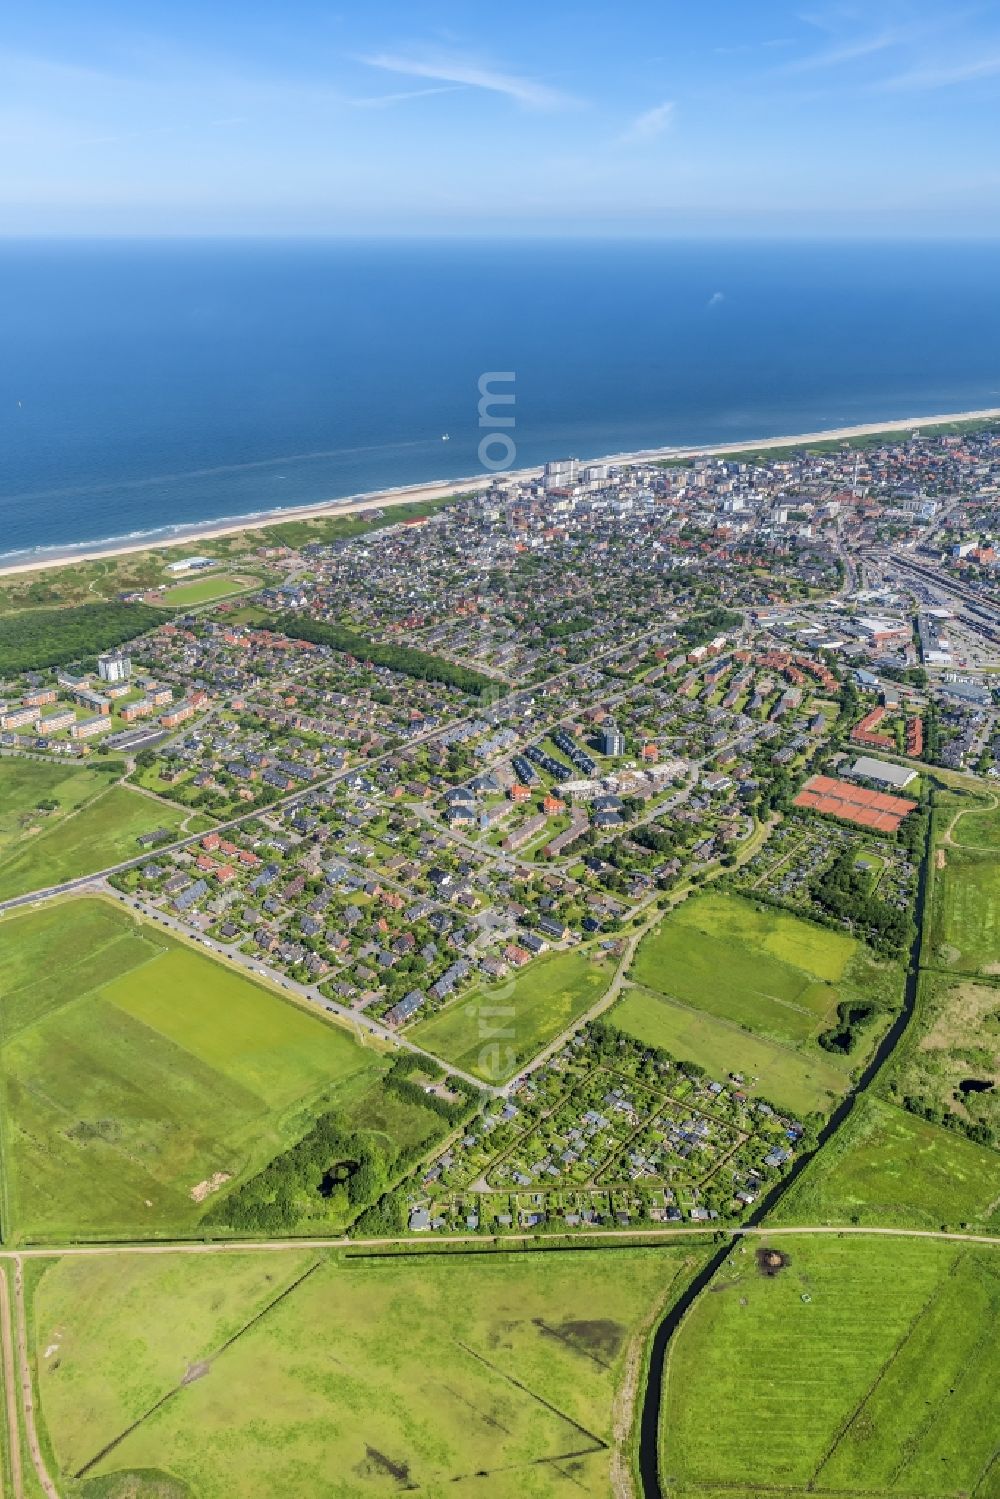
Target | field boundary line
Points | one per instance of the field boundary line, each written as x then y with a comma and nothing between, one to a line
93,992
970,1364
183,1383
600,1444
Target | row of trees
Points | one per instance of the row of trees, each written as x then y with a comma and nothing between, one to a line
402,658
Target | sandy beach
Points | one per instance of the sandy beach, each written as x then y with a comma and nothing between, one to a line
417,493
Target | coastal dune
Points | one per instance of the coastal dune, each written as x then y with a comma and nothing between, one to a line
421,493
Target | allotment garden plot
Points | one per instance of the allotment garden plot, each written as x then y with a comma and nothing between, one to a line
140,1076
609,1131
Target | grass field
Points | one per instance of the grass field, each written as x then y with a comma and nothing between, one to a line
863,1367
765,970
135,1068
798,1081
494,1031
445,1374
965,917
203,590
24,783
103,832
978,829
886,1166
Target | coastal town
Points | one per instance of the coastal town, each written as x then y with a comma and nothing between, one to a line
500,752
469,755
549,865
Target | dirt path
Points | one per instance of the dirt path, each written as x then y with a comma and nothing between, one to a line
410,1241
27,1392
10,1391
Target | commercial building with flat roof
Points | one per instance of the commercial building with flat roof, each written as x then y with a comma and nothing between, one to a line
866,768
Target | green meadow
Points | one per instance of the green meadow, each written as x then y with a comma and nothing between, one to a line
65,845
497,1029
864,1366
24,783
769,972
799,1081
303,1373
977,828
136,1068
885,1166
965,910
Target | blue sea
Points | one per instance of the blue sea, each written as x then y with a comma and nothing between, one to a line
145,386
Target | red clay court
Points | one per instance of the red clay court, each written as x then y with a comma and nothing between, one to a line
869,809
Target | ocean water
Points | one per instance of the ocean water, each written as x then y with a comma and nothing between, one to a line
151,385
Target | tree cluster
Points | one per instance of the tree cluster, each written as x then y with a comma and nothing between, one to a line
842,891
35,638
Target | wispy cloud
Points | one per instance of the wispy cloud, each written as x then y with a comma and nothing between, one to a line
942,75
650,124
466,73
845,52
381,101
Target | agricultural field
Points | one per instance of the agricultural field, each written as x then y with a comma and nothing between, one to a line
101,833
804,1082
762,969
886,1166
25,783
493,1031
136,1070
838,1365
294,1372
965,914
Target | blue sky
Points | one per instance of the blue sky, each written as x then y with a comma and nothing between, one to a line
435,116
